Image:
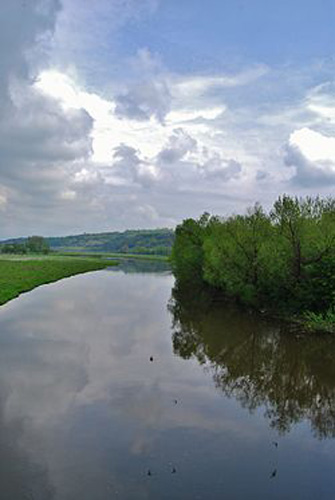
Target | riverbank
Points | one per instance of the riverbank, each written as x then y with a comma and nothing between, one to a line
19,274
281,261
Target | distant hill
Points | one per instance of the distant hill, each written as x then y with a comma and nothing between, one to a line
155,242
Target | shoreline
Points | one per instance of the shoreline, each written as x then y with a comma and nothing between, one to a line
20,275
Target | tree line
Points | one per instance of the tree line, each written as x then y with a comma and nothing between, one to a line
33,244
155,242
283,259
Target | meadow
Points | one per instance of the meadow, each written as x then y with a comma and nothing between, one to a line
20,274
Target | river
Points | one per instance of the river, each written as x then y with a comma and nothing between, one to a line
115,384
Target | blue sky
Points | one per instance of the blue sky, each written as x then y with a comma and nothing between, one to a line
193,34
119,113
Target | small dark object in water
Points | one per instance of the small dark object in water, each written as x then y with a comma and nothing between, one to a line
275,443
149,473
173,471
175,401
273,473
151,358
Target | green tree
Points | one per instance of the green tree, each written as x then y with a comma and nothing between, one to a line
232,253
37,244
284,260
14,248
187,253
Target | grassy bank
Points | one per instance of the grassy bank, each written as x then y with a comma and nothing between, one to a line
20,274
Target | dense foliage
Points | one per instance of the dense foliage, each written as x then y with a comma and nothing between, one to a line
33,244
150,242
284,259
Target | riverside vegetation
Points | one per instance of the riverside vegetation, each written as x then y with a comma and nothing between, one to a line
282,261
29,262
155,242
21,274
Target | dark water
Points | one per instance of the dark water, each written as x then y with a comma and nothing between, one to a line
229,408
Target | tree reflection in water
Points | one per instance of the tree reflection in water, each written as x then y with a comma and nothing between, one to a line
257,362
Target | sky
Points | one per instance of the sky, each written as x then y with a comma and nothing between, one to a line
119,114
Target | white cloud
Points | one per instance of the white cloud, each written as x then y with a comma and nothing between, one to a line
137,144
184,87
308,173
218,168
179,144
22,24
133,169
312,153
314,145
144,101
85,176
192,115
320,101
41,142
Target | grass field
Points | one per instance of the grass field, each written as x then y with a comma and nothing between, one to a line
21,274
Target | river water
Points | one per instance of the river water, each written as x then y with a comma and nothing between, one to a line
113,385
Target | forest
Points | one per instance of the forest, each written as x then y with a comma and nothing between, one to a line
279,261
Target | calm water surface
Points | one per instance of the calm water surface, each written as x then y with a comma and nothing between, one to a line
229,408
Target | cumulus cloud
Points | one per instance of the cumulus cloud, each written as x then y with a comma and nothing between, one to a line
220,169
309,173
41,145
313,156
21,25
315,145
178,145
126,162
144,101
150,96
39,130
40,142
135,144
130,167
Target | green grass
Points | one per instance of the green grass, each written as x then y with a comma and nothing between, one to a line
20,274
318,322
